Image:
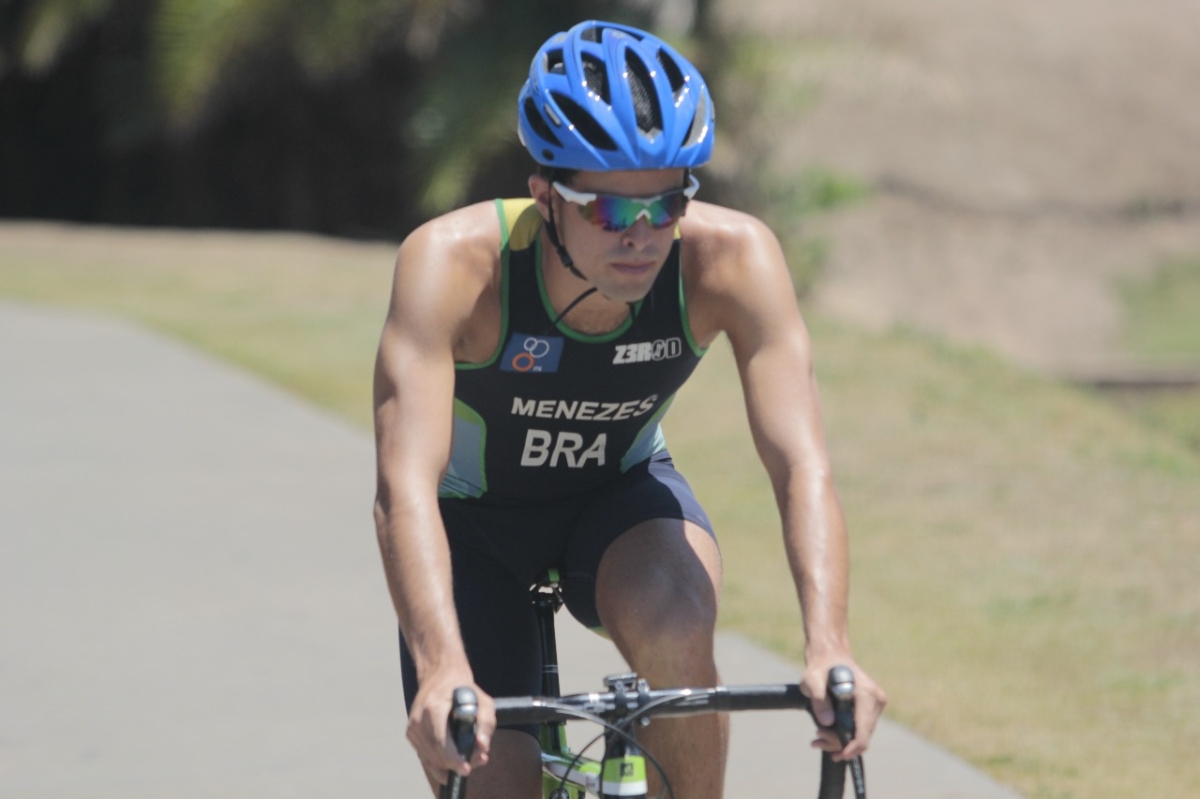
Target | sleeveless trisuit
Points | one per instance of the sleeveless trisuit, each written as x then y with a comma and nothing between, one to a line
557,451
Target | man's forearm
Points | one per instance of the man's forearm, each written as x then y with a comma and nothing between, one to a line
818,554
416,560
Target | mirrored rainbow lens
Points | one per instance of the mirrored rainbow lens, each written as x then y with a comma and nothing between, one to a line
616,214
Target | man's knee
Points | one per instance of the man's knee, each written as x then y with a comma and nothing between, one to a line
668,611
669,642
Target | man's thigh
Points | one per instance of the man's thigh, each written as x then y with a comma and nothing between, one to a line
498,626
494,555
513,770
657,589
646,527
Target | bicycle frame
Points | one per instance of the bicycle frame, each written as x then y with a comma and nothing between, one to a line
566,775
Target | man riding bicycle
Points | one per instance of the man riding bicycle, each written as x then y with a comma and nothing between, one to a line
529,354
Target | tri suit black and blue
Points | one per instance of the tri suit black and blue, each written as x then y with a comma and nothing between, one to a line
555,413
557,451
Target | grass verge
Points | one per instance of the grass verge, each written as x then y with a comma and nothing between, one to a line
1027,581
1163,312
1026,570
1162,325
303,311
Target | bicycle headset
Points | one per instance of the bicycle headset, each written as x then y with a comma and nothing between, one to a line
604,97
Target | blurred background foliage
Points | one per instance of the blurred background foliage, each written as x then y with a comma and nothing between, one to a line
356,118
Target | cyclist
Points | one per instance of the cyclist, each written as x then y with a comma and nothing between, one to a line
530,350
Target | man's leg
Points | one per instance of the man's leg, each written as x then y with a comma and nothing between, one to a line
513,772
499,632
656,593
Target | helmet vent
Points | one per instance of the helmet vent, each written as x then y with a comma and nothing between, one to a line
696,133
674,74
596,33
554,62
641,86
596,77
587,127
538,124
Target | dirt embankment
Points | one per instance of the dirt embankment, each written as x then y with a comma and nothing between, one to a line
1026,155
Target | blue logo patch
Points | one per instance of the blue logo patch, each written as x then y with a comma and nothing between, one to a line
526,353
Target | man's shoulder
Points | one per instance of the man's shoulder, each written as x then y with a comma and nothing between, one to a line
718,234
733,269
468,236
447,265
720,240
721,218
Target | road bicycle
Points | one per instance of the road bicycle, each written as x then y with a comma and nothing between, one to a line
630,703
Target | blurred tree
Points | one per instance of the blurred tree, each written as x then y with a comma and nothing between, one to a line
469,57
355,117
37,32
74,100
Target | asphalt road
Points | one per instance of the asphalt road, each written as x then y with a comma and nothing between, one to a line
191,603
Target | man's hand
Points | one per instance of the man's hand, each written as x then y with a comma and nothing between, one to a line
428,724
869,701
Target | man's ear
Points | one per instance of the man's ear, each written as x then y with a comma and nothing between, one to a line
539,190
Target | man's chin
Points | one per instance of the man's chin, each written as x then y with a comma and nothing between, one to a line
629,285
625,293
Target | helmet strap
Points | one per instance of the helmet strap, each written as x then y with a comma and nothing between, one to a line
587,293
563,255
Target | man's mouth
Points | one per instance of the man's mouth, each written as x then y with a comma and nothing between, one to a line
633,267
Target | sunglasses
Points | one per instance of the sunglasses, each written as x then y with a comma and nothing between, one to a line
615,213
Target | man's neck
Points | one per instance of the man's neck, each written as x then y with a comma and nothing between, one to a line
593,316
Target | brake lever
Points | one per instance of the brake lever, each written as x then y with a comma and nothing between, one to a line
841,694
464,714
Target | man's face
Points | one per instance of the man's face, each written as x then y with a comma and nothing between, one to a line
621,264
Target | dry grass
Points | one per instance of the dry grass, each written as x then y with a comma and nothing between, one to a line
1162,325
1027,558
302,310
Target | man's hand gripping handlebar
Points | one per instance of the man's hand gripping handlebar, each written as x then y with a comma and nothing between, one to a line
840,690
464,716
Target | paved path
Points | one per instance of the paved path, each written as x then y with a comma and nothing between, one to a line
191,604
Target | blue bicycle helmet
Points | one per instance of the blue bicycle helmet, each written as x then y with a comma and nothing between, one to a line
604,97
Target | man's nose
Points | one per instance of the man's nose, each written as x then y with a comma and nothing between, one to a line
639,234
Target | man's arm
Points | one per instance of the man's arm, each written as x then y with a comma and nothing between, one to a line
755,306
433,296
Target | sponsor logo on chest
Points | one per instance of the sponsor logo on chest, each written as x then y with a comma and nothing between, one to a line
525,353
643,351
